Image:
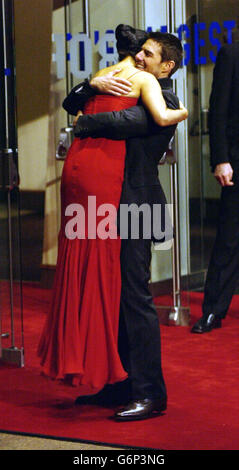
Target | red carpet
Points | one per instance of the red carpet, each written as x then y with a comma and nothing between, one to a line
202,377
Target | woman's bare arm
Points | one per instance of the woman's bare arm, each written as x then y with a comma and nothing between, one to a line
153,100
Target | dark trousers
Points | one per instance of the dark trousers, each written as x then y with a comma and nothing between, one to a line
139,333
223,270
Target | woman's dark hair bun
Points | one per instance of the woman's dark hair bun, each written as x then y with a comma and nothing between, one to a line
124,31
129,40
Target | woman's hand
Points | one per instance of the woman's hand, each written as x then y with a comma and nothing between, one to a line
77,117
109,84
182,108
152,97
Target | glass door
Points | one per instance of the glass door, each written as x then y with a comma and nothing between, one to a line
209,25
11,313
90,46
82,42
170,267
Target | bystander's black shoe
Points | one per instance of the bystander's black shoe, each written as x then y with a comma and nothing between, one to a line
207,323
141,409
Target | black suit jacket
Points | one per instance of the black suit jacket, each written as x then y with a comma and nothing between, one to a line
146,143
224,108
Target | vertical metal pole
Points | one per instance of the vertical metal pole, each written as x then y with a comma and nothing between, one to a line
173,254
11,267
176,243
9,191
67,30
174,200
179,314
202,185
139,14
5,78
87,18
168,5
136,13
11,354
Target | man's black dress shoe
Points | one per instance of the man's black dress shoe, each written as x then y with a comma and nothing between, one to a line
88,399
207,323
110,395
141,409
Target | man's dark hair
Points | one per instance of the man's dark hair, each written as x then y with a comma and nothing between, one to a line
129,40
171,48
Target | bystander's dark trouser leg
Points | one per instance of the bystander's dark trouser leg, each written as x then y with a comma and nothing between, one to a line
223,270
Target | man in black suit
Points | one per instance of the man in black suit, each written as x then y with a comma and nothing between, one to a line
223,271
145,145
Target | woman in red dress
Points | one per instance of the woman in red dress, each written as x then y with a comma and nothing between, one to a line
80,336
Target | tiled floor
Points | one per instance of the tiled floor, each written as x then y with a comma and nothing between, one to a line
18,442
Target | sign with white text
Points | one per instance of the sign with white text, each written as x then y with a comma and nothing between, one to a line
80,47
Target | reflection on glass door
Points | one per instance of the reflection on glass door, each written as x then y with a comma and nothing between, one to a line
210,25
11,331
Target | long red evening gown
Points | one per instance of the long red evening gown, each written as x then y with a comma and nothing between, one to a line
79,339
